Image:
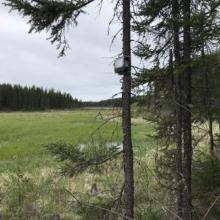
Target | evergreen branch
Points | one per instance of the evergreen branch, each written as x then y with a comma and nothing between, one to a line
77,159
50,15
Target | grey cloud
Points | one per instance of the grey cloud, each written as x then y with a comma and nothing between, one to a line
86,72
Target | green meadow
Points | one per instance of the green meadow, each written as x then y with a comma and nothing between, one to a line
24,135
31,186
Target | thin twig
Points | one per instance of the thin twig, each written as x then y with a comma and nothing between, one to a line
209,209
97,207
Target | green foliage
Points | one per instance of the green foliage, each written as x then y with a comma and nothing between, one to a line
79,158
136,110
205,86
53,16
206,189
100,207
21,196
205,31
153,20
205,89
25,197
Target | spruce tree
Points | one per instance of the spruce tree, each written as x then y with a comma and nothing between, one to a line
55,16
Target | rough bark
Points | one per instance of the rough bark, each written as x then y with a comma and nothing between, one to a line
209,114
187,130
178,107
207,105
126,115
211,136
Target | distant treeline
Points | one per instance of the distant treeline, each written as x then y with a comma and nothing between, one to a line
116,102
104,103
16,97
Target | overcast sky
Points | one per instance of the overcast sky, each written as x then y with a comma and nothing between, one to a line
86,72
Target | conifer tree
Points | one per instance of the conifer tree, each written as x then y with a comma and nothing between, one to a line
55,16
185,27
15,97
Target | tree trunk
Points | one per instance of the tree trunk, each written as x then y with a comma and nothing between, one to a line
219,126
187,130
209,113
126,115
178,108
211,136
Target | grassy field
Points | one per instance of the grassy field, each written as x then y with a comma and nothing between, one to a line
23,135
31,187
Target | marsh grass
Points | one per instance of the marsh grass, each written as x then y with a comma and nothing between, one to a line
23,135
28,169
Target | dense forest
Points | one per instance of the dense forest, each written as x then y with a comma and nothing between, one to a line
28,98
16,97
